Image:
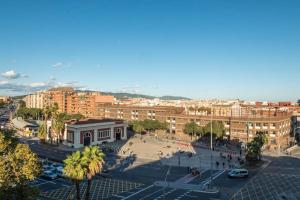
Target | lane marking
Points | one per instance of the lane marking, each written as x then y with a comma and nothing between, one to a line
139,192
216,175
118,196
45,183
149,195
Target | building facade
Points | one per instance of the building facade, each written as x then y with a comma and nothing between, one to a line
36,100
275,124
82,133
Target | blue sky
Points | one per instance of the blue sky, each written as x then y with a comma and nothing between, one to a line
196,48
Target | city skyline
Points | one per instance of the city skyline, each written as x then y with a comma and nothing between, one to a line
229,50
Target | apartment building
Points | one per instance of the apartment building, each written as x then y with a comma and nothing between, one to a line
84,102
5,99
60,96
68,100
276,124
36,100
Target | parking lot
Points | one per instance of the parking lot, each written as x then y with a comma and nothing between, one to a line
101,188
48,185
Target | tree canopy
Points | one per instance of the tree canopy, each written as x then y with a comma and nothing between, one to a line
18,165
218,129
192,129
30,113
148,125
254,147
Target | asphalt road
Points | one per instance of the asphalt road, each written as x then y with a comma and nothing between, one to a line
149,173
279,180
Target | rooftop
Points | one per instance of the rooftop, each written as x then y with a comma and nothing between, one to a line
92,121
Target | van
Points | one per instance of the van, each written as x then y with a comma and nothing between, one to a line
238,173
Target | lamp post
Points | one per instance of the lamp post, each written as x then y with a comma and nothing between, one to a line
211,145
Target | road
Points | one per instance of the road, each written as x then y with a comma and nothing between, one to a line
279,180
151,172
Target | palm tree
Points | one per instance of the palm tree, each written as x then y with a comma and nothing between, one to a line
93,159
75,170
58,126
42,131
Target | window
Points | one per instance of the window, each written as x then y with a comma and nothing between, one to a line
70,137
103,134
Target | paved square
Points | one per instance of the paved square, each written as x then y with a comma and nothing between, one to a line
100,189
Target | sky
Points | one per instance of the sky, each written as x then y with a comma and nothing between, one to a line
202,49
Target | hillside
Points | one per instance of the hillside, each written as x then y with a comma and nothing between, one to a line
123,95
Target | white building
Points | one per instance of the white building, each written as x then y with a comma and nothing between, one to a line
35,100
80,133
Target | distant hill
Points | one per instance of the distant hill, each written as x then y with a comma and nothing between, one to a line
174,98
124,95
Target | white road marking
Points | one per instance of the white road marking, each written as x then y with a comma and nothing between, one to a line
45,183
149,195
204,183
118,196
139,191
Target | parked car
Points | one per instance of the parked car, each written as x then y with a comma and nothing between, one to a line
56,165
195,171
59,171
238,173
49,174
48,168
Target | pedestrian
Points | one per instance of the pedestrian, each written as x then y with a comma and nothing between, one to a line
223,165
217,163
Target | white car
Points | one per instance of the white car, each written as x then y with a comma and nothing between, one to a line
49,174
59,171
238,173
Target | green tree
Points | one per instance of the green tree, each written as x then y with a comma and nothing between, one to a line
18,165
254,148
163,126
93,160
138,127
218,129
75,170
29,113
191,129
22,104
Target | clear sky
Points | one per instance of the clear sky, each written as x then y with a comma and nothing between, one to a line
247,49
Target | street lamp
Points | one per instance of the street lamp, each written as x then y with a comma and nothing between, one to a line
211,146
